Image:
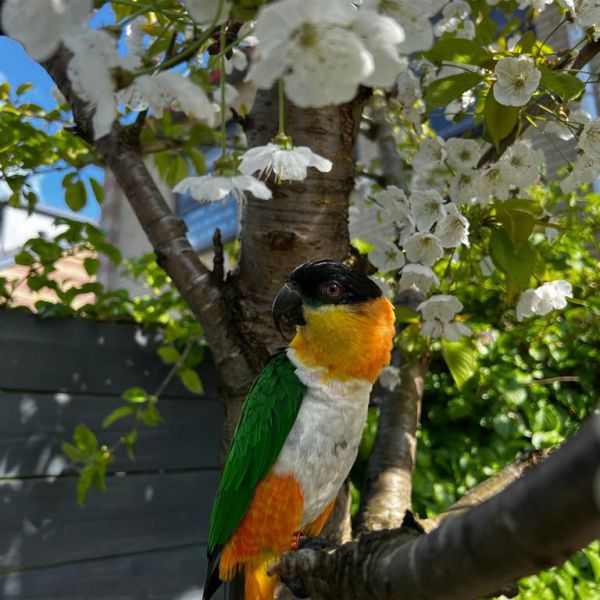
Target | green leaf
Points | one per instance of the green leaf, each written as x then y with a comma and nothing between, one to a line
151,416
136,395
169,354
118,413
191,381
518,264
499,120
566,86
406,315
91,265
113,253
24,258
525,44
85,439
97,189
460,51
461,358
73,453
524,204
443,91
546,418
517,223
76,196
24,87
84,482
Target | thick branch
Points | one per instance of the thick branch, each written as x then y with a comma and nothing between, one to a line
388,487
536,522
579,60
168,235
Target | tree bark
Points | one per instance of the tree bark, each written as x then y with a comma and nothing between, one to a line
305,219
388,486
536,522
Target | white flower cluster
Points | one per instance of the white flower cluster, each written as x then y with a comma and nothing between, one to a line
453,163
544,299
423,226
42,25
587,166
455,21
325,50
587,15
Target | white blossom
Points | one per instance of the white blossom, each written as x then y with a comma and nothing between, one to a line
438,313
238,61
387,257
381,36
453,229
420,276
41,25
390,378
324,50
205,11
586,169
285,164
589,140
462,154
423,248
587,15
544,299
493,182
94,55
414,19
516,80
395,208
211,188
538,5
431,154
464,187
522,163
427,208
171,89
455,21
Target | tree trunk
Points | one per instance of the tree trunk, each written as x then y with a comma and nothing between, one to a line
305,219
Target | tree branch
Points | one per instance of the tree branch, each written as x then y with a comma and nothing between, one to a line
168,235
392,165
587,53
388,484
538,521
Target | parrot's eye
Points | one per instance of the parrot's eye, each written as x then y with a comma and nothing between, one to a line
332,290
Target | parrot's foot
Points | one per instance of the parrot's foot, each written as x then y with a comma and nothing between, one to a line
295,542
302,542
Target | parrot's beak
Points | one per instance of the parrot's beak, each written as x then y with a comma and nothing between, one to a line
288,305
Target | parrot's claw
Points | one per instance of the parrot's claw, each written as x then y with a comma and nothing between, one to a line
297,536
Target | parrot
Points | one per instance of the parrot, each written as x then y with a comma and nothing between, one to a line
301,423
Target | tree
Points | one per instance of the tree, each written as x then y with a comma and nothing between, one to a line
437,207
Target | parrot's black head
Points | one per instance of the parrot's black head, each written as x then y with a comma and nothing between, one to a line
317,283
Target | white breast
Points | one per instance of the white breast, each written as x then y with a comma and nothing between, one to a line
322,445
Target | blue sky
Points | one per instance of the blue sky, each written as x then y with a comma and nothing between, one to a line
16,67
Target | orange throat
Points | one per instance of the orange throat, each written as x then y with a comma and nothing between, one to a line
350,341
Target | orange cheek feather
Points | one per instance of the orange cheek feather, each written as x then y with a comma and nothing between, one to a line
349,341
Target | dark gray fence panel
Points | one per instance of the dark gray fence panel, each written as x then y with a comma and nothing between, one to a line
33,426
144,538
77,355
42,525
157,575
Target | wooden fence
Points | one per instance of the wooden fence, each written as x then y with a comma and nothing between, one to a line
145,537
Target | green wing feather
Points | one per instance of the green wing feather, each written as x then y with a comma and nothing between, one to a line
267,417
